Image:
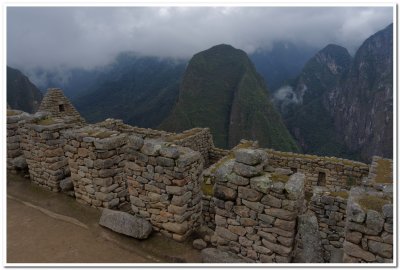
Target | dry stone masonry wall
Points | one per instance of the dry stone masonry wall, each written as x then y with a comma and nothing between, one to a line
249,201
255,214
334,173
96,160
164,187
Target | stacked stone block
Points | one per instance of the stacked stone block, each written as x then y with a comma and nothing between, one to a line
339,173
96,160
255,215
330,210
216,154
198,139
369,227
164,187
42,144
15,156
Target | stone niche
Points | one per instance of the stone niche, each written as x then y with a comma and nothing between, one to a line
256,210
96,160
163,184
42,143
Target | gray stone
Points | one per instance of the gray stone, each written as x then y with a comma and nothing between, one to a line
187,159
374,221
226,234
354,237
66,184
179,228
199,244
125,223
213,255
249,156
165,162
169,152
247,170
110,143
261,183
283,171
238,180
382,249
135,142
271,201
266,219
309,248
355,212
224,193
280,213
222,174
387,210
181,200
151,148
295,186
281,250
356,251
249,194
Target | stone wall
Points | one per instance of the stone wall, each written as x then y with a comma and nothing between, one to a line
369,226
330,210
15,156
164,187
255,211
198,139
96,160
216,154
42,145
334,173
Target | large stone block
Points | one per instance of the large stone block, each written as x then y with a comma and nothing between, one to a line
125,223
224,193
249,156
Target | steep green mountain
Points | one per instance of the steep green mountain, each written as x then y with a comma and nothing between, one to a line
282,62
21,93
222,90
139,90
363,105
307,117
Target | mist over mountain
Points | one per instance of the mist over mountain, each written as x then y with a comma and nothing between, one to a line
343,106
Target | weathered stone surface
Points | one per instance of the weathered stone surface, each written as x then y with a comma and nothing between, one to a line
179,228
285,225
374,221
213,255
169,152
295,186
20,162
223,172
135,142
387,210
238,180
224,193
355,212
308,248
261,183
181,200
151,148
187,159
354,237
281,250
125,223
199,244
165,162
356,251
382,249
249,156
271,201
247,170
249,194
225,233
280,213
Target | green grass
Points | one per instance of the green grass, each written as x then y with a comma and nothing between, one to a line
207,189
342,194
46,121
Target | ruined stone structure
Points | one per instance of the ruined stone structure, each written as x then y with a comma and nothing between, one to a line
258,205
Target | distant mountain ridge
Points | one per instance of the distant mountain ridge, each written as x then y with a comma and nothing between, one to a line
22,94
222,90
342,106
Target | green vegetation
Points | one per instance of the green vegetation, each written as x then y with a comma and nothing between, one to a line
351,181
384,171
207,189
373,203
46,121
222,90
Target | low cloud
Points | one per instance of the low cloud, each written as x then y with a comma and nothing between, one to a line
85,37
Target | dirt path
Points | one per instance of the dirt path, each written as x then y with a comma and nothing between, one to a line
46,227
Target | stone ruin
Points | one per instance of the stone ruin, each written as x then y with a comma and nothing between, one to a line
246,204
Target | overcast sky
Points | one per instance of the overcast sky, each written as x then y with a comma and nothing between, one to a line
86,37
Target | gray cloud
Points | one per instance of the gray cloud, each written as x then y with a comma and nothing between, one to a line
85,37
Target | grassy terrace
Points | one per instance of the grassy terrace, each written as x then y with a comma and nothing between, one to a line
384,171
368,202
